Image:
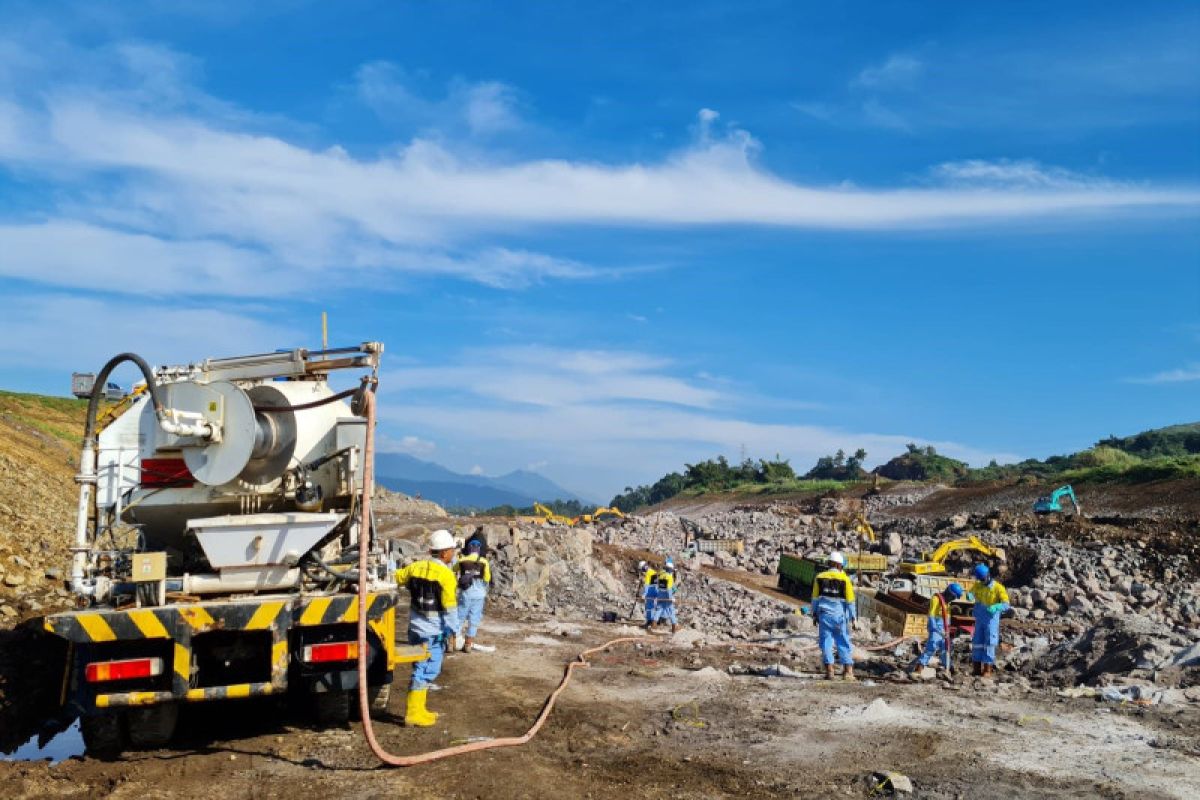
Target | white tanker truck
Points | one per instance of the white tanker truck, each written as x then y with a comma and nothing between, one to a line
216,550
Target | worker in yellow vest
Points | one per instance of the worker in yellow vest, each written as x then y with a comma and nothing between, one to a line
834,609
432,619
938,626
991,600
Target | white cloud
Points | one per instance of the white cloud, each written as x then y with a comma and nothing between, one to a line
605,418
475,470
1181,375
413,445
225,201
169,191
480,108
68,332
552,377
1017,173
898,71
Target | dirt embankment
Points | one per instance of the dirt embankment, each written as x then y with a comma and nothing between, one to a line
39,456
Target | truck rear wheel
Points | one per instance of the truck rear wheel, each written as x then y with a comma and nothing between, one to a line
332,708
104,733
153,726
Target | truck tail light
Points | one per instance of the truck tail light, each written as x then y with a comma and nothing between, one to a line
100,671
331,651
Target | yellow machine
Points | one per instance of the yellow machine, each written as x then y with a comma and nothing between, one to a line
601,514
550,518
934,563
856,522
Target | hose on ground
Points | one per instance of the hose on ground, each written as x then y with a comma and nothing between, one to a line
364,702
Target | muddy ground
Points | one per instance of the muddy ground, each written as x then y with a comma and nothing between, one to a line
664,720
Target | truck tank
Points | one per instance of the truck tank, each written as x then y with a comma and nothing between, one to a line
271,459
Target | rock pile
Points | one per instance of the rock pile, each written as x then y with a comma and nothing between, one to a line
1089,597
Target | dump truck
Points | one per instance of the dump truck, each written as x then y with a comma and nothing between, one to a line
216,546
712,544
797,573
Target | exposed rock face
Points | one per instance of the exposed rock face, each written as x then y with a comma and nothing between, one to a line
399,504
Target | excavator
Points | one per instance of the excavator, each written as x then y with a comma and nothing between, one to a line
550,518
1052,503
601,514
856,522
935,563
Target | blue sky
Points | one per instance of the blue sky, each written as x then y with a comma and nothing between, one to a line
601,240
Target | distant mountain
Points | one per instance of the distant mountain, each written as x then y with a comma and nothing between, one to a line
401,472
535,485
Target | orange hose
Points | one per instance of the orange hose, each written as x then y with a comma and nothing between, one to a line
364,703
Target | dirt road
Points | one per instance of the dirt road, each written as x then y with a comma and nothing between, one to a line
661,721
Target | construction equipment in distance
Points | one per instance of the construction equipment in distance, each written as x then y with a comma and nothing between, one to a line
1052,503
601,514
856,522
797,573
216,547
934,563
549,517
711,544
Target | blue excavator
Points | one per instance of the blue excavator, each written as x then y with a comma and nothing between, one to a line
1052,503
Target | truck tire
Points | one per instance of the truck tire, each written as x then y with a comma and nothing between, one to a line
153,726
104,734
332,708
379,697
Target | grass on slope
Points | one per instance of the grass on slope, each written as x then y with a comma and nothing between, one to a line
60,417
796,486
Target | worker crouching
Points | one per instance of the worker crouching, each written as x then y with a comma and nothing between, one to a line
991,600
833,608
938,626
474,578
432,620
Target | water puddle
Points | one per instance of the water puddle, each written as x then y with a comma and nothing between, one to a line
61,746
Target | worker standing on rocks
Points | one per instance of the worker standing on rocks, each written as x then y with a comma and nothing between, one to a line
649,592
938,626
474,578
833,608
666,584
991,600
432,620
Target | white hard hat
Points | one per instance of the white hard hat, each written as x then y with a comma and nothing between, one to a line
642,565
837,558
441,540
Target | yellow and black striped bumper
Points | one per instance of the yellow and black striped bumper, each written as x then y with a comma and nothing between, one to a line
180,623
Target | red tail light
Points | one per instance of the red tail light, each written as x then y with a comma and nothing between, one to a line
331,651
130,668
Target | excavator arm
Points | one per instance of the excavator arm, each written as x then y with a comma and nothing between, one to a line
857,523
1052,504
549,515
970,543
935,563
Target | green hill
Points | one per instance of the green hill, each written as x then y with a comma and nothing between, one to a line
1159,454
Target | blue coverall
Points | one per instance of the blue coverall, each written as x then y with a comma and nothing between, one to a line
991,600
833,606
936,628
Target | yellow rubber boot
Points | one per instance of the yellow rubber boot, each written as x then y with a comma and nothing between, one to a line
416,714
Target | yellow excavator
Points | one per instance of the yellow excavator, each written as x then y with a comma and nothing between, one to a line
856,522
601,514
934,563
548,517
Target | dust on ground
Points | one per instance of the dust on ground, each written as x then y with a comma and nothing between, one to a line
660,720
